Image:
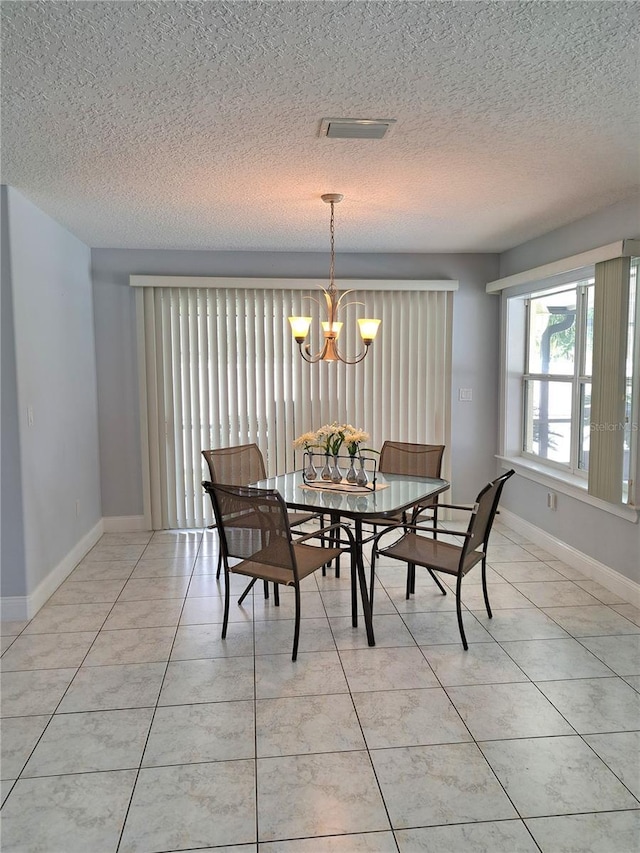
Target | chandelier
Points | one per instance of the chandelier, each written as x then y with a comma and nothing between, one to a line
331,326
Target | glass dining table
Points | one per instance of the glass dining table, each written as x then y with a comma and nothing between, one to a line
393,494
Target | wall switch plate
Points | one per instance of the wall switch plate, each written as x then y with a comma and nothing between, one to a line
551,500
465,395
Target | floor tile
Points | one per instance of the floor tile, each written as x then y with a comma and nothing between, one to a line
12,627
556,594
205,641
163,567
433,785
47,651
634,681
18,737
563,776
134,645
210,610
277,637
628,611
544,660
505,836
595,704
600,592
298,725
425,601
370,842
5,642
497,711
622,654
109,570
607,832
390,632
430,629
91,741
621,753
337,602
483,663
313,673
502,596
215,731
592,621
521,624
5,789
219,680
101,552
386,669
507,554
144,614
569,572
75,813
392,718
300,796
528,572
104,688
33,692
87,592
191,806
68,617
134,537
146,589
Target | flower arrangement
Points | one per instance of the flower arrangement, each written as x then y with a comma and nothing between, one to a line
331,437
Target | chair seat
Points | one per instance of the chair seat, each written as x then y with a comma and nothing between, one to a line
297,518
309,559
431,553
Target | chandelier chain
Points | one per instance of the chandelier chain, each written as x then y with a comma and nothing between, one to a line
332,265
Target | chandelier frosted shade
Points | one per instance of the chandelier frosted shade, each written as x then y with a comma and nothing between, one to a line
331,327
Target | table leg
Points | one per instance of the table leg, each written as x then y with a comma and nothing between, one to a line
364,594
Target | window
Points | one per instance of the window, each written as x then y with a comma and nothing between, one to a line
557,379
570,412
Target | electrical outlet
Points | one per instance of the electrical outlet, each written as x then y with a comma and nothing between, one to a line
465,395
551,500
30,416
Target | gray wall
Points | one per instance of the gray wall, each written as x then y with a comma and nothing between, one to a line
56,378
603,536
475,348
13,577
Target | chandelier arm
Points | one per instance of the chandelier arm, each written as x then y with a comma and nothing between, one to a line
346,359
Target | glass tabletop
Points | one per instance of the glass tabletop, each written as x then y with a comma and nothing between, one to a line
394,493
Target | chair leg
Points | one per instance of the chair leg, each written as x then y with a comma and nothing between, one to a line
372,578
276,595
225,619
219,565
411,581
296,631
459,613
442,589
266,588
435,521
354,591
246,592
484,589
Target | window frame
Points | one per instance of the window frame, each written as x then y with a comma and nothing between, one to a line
578,379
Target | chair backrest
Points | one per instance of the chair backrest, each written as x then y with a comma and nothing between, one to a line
414,460
253,525
237,466
484,512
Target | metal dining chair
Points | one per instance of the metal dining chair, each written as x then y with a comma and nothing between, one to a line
438,556
254,528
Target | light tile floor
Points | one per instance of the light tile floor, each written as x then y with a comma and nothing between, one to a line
129,726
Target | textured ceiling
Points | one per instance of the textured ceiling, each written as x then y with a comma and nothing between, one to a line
195,125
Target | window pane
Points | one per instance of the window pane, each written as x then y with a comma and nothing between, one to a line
548,419
588,342
552,333
585,421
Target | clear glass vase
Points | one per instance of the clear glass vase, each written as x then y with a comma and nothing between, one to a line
310,473
336,473
361,477
326,471
352,476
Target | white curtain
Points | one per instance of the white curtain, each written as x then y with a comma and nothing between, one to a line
219,367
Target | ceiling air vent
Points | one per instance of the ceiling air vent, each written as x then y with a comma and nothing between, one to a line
356,128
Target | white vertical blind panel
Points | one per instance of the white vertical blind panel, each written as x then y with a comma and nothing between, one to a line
221,369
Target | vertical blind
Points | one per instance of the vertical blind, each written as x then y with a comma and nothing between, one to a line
218,367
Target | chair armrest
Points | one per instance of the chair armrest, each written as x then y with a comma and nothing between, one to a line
419,528
456,506
317,534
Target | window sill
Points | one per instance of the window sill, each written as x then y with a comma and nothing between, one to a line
567,484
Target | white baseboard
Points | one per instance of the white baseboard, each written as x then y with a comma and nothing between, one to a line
21,607
604,575
124,523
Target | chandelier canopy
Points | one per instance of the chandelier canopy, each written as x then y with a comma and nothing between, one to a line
331,326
